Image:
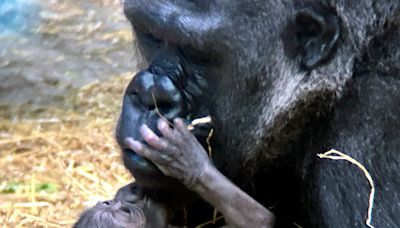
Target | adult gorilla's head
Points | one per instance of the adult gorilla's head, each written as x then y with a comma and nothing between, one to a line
260,69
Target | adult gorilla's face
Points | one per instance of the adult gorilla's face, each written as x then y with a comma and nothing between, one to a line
241,62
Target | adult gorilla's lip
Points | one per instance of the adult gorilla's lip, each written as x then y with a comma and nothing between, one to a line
140,163
135,157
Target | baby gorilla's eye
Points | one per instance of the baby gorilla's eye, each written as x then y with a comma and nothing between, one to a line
126,209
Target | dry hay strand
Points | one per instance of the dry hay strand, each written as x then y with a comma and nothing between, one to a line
337,155
55,162
213,221
199,121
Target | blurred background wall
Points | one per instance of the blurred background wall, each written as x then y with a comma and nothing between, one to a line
64,65
49,47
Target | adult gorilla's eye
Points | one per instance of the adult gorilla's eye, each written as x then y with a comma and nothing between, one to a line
194,56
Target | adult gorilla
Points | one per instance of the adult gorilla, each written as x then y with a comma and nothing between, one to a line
281,81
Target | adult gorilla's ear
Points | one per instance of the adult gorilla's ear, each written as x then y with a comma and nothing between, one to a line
312,35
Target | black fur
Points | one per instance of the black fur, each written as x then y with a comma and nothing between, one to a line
282,82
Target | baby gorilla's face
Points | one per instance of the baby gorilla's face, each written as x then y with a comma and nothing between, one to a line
129,209
113,213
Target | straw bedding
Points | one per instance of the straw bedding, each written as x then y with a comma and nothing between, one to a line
55,162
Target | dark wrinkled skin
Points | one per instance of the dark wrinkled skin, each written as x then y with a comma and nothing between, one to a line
282,81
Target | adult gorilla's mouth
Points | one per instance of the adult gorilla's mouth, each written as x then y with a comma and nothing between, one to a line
172,86
141,163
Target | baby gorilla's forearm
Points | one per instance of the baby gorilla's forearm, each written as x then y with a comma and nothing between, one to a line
238,208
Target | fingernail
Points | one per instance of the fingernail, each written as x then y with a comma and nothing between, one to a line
144,129
162,123
128,140
179,122
133,144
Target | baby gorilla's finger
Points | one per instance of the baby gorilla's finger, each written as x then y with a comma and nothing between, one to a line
145,151
166,131
151,138
181,127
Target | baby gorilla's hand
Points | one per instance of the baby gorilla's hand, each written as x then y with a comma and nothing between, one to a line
177,154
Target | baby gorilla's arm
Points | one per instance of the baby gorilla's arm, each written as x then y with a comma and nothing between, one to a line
178,154
129,208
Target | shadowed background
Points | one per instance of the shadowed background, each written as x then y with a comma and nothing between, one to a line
63,69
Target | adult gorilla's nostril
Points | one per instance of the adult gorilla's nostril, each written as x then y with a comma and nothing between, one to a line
166,94
158,92
143,85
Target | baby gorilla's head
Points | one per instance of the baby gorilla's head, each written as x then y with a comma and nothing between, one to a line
112,214
129,208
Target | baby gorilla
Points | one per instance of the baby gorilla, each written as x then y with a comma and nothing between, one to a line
129,208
